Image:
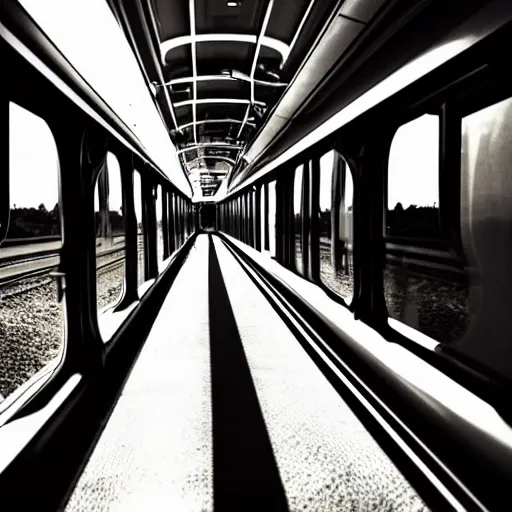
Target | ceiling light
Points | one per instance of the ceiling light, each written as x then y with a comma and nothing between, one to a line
232,4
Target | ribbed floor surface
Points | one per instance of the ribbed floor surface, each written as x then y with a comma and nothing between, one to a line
225,408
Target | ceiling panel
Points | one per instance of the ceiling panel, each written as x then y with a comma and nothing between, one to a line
216,16
236,43
172,18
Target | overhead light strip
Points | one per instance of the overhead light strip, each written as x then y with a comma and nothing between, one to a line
216,100
213,121
269,42
207,78
224,145
255,62
212,157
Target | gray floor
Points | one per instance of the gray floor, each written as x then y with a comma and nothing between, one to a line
156,452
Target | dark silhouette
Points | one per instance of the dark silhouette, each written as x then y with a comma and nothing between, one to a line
414,221
32,222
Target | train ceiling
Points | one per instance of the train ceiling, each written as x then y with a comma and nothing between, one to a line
217,67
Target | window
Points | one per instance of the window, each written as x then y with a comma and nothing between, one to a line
171,223
179,224
31,312
254,224
110,242
239,218
486,220
159,226
336,225
413,180
272,218
141,257
263,219
424,283
298,215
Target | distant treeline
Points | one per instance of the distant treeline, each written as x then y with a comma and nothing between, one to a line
414,221
30,222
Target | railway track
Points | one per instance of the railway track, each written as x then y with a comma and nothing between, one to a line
422,259
22,275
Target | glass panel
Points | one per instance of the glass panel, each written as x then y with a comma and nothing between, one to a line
413,180
263,219
336,197
110,243
137,194
171,222
31,317
159,226
254,219
486,220
424,284
272,218
180,208
297,212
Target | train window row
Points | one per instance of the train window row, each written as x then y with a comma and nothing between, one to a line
333,240
445,273
31,315
33,295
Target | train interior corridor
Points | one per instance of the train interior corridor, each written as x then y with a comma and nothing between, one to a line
255,255
224,408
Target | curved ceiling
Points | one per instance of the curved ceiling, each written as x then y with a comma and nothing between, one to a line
217,68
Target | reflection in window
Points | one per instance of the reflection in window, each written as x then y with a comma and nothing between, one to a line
272,218
486,218
31,317
336,225
159,226
137,196
297,215
110,242
424,283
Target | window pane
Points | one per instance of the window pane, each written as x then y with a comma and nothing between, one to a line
424,283
159,227
413,180
31,317
254,219
486,218
171,221
110,253
137,196
263,219
272,218
336,225
297,212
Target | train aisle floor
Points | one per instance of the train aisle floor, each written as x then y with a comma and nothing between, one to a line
225,410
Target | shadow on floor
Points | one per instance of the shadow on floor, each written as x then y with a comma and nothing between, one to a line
245,473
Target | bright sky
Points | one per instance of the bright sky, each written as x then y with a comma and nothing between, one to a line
137,193
88,35
115,193
413,168
33,174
